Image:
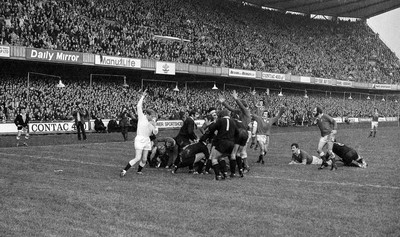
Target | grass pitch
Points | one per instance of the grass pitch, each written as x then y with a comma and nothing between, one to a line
60,187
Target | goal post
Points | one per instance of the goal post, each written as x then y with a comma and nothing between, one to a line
147,83
93,77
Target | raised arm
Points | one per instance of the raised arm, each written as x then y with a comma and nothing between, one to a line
274,119
244,110
222,100
140,104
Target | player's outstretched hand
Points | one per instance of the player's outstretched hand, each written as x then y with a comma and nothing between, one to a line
221,99
234,94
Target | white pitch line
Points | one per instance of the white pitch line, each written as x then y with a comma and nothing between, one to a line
327,182
251,176
59,159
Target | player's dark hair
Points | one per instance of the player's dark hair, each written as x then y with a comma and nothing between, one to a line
223,113
192,112
295,145
319,110
235,115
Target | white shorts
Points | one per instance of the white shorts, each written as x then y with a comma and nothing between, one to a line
374,124
324,140
142,143
263,139
316,160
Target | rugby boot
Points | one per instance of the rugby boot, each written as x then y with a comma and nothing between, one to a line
333,159
241,173
123,173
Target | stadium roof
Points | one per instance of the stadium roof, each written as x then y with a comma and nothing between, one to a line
363,9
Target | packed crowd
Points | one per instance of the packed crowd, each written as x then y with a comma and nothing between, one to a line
214,33
105,99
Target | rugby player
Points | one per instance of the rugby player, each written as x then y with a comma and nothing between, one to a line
146,127
374,123
349,156
262,129
222,143
328,128
191,155
300,156
242,117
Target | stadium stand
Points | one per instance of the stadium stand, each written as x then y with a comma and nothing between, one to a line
215,33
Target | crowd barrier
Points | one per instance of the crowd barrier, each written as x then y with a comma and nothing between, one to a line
69,126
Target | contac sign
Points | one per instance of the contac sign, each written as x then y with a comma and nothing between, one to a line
54,56
52,127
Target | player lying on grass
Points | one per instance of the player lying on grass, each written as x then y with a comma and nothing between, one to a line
348,155
300,156
192,155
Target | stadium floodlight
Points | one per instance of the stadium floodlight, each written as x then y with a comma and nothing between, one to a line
176,88
305,94
125,84
202,82
280,93
60,84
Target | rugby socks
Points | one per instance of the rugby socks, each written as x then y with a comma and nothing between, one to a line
261,159
200,166
128,166
216,170
139,168
222,165
239,162
232,166
208,166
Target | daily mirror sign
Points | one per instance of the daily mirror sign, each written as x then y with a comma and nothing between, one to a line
54,56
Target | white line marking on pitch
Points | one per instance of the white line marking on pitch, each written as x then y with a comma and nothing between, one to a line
251,176
327,182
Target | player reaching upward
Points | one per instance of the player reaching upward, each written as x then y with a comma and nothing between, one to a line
374,123
146,127
328,127
263,131
242,117
222,143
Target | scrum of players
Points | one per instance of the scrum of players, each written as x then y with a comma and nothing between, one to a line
227,133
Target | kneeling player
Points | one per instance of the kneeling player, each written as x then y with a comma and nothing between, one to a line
196,153
349,155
